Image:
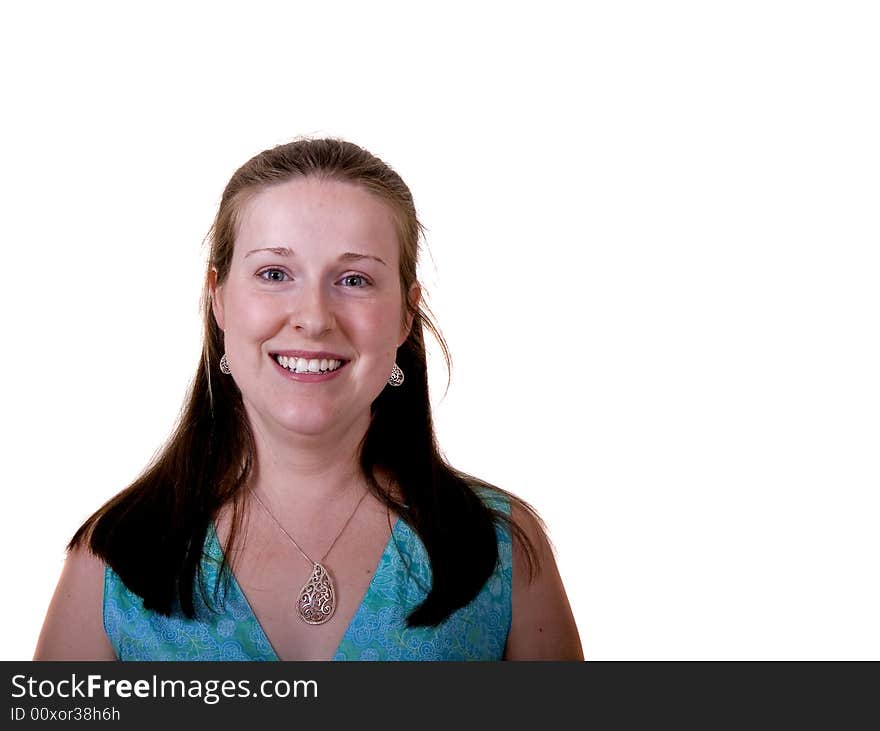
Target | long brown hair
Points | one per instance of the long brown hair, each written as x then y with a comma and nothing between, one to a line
152,533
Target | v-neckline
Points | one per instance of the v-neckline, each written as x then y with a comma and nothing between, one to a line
254,620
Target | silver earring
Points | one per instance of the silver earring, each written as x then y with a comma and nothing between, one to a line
396,378
224,365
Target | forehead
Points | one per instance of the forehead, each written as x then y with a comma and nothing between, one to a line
318,216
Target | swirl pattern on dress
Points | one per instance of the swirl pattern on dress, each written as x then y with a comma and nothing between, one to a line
377,631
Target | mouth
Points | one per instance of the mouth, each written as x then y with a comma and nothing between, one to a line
308,365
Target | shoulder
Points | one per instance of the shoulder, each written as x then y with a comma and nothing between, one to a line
542,624
493,497
73,628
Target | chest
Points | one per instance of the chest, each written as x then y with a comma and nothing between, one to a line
376,629
272,573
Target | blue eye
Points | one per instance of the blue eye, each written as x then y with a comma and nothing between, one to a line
273,275
355,280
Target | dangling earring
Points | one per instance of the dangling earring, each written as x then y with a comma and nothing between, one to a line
224,365
396,378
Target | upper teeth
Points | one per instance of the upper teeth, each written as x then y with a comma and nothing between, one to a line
301,365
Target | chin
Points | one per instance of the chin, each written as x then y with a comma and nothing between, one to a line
313,423
311,426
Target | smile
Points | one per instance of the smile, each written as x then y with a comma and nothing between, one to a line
301,365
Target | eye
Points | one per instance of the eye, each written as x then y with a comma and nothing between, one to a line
273,275
355,280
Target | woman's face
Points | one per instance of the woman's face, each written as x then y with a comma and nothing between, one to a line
312,309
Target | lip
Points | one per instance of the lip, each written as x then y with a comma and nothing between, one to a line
306,377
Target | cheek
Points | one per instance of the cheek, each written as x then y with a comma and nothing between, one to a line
380,330
250,317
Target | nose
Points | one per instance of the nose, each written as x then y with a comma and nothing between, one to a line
311,312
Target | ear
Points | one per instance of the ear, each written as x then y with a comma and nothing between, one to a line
413,297
216,299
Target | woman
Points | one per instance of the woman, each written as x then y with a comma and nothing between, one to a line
307,452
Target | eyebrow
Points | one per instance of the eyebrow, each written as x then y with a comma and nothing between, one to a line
347,256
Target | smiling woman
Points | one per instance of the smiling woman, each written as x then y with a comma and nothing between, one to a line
302,508
295,290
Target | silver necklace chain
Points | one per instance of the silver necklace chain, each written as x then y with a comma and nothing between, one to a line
293,540
317,600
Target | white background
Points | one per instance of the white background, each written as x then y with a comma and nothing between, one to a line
653,233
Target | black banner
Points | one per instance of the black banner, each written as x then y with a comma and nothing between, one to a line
390,694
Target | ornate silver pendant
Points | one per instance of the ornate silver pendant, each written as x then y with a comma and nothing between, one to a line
317,598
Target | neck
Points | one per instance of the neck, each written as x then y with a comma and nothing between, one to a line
298,470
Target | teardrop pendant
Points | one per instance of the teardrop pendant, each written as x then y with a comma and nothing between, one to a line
317,598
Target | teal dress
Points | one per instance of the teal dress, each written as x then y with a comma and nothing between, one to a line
377,631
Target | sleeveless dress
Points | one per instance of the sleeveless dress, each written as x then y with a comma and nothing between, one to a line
377,631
